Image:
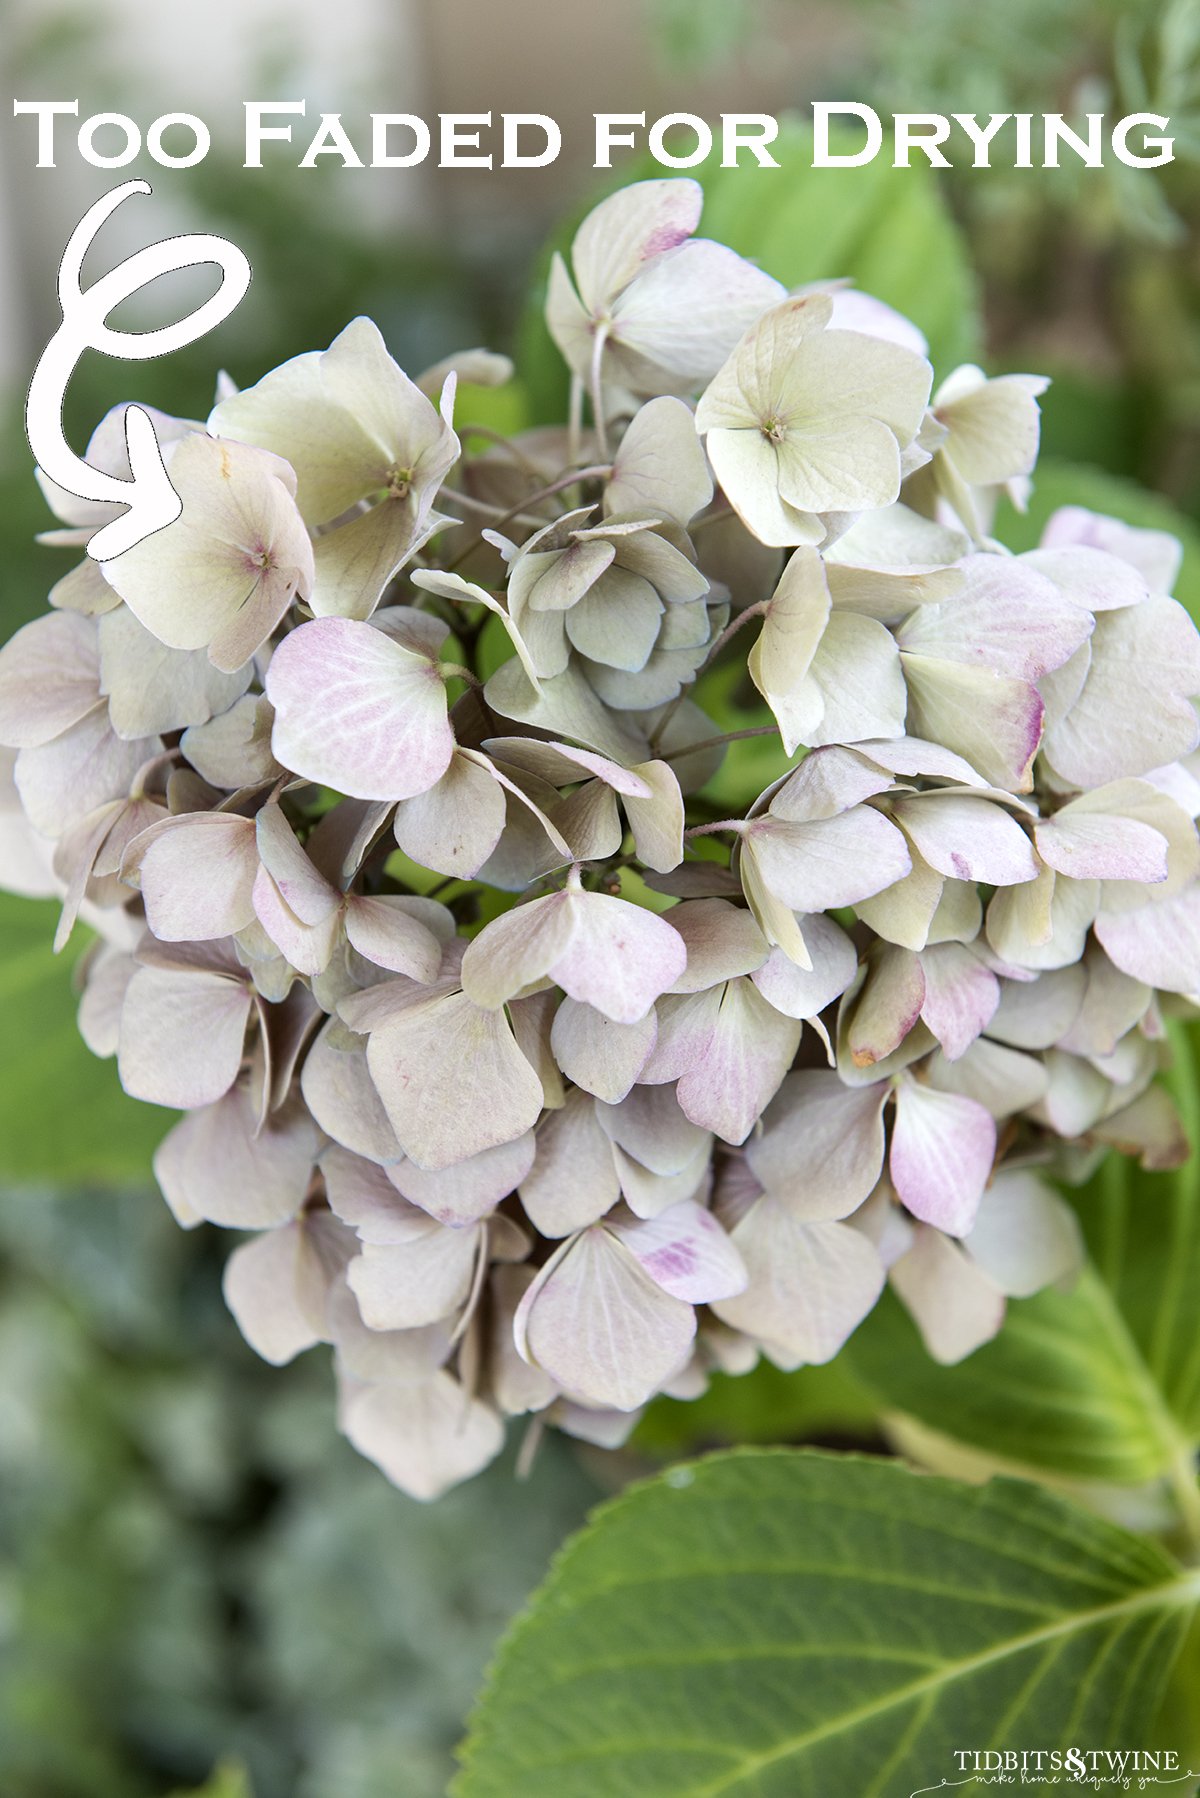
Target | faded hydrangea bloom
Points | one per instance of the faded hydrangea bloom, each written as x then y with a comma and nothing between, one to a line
537,1080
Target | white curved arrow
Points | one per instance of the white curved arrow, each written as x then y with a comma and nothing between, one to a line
151,500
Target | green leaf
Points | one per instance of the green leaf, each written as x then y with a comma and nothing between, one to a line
1074,484
795,1625
882,227
765,1405
1101,1383
63,1115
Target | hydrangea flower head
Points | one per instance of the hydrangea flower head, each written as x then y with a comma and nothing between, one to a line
537,1081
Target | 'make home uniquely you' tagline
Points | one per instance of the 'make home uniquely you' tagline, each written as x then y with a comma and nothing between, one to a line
845,134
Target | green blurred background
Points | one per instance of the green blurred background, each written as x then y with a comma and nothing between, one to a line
199,1581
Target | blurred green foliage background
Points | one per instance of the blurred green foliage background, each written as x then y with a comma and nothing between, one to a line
197,1576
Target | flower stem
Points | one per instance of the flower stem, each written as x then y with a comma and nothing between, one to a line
730,736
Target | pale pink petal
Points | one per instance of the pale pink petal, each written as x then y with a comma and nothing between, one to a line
955,1306
1101,846
518,948
452,1080
619,958
356,711
425,1438
886,1008
1008,617
805,992
968,839
384,930
49,678
686,1252
822,1146
220,1164
196,875
1024,1236
961,996
721,940
810,1284
1159,944
602,1057
469,1190
597,1323
181,1036
454,826
831,862
748,1049
277,1287
941,1156
341,1095
1002,1080
573,1181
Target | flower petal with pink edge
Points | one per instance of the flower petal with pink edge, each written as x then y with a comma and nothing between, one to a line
686,1252
941,1155
961,996
597,1323
747,1048
357,711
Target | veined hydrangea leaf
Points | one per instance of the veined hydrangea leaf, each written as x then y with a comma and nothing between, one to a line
994,1614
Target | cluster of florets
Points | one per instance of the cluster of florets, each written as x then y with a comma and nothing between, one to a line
382,775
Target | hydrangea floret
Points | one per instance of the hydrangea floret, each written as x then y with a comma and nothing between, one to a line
539,1080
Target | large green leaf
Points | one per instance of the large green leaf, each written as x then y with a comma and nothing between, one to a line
795,1625
888,229
63,1115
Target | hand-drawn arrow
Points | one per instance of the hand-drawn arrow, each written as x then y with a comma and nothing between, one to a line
151,500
